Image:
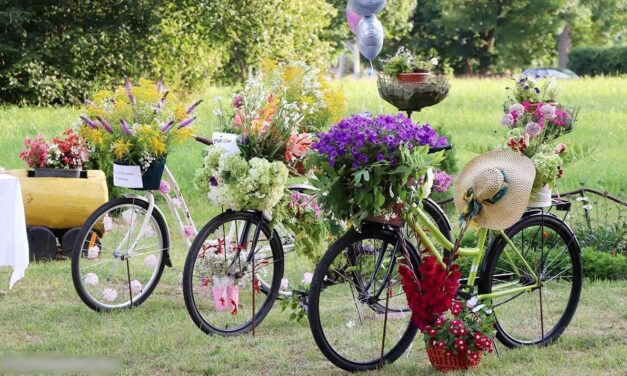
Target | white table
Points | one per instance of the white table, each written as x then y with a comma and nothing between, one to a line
13,239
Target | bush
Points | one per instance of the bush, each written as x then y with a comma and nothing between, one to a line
601,265
592,61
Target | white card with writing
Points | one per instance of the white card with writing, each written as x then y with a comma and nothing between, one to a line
226,141
127,176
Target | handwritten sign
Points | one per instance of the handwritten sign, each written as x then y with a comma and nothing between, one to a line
226,141
127,176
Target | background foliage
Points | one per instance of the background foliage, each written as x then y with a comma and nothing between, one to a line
58,52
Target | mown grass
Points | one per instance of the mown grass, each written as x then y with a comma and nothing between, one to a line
43,314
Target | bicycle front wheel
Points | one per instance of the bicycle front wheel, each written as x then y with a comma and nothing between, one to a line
119,255
223,272
354,283
550,249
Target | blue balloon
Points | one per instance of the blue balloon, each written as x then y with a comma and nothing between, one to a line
370,37
367,7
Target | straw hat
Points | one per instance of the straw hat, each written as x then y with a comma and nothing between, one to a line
493,188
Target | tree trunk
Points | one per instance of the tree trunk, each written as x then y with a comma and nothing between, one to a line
563,46
356,60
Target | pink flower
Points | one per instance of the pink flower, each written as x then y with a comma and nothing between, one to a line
441,181
91,279
507,120
307,277
547,111
136,287
109,294
533,129
177,202
189,231
93,252
151,261
517,108
164,187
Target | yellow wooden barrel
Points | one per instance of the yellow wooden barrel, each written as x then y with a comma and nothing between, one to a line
61,203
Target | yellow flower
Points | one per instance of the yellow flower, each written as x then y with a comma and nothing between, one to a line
121,148
291,73
336,103
152,139
268,66
146,91
179,113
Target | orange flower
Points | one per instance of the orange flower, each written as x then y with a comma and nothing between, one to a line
297,146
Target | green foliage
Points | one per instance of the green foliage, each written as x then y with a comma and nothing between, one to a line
601,265
404,62
55,52
610,239
592,61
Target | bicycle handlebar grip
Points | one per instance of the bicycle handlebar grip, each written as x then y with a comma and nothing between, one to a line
203,140
440,148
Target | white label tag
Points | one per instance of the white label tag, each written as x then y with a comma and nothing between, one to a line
226,141
127,176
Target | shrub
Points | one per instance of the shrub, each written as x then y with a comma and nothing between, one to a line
601,265
592,61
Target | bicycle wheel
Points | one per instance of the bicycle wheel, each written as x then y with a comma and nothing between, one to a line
347,300
540,316
218,285
113,265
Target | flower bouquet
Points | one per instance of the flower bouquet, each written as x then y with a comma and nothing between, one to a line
535,134
278,110
135,126
64,157
270,121
368,167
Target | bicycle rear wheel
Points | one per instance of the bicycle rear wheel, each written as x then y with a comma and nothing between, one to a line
348,300
114,266
218,285
539,316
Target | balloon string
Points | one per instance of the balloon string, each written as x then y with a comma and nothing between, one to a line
378,94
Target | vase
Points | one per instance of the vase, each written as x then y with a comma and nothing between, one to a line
132,176
413,77
445,363
412,96
540,197
397,221
57,173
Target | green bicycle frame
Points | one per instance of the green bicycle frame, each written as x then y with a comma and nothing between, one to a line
476,254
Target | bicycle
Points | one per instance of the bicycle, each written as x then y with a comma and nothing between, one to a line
358,313
123,247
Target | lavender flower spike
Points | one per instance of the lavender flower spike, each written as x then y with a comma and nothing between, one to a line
125,127
129,93
105,124
187,122
161,102
160,84
88,121
192,107
90,103
166,127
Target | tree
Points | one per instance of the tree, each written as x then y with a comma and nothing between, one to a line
53,52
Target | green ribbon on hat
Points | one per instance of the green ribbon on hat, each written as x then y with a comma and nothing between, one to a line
474,206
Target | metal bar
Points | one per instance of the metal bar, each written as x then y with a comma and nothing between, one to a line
476,260
497,294
509,241
434,230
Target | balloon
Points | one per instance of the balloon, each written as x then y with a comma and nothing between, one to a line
367,7
352,18
370,37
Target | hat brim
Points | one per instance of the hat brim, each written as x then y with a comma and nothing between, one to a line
520,172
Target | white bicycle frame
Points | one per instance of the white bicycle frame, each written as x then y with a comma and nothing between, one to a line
180,212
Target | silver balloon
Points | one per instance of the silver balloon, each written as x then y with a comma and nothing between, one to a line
370,37
367,7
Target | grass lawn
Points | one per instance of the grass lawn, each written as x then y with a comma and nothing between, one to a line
43,314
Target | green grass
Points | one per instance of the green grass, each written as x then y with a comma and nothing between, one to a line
43,314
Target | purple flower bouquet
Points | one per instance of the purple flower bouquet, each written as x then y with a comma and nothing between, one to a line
364,164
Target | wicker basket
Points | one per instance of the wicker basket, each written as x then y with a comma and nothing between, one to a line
445,363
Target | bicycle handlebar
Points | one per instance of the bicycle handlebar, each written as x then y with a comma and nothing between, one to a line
203,140
435,149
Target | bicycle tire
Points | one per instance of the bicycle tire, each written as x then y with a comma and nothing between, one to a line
545,222
188,273
78,252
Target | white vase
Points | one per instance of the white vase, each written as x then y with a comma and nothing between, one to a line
540,198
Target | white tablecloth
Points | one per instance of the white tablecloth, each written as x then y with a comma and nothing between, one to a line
13,240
